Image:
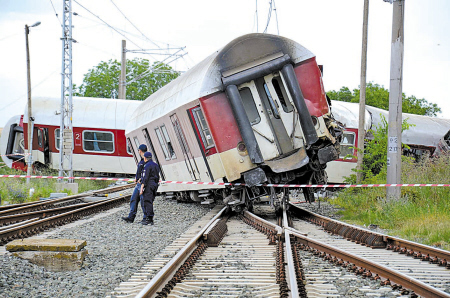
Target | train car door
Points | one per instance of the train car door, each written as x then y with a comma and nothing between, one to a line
46,146
152,150
188,158
203,136
268,111
43,143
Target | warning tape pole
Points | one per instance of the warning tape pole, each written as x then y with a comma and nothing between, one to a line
234,184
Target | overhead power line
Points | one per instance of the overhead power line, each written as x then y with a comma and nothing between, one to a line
56,14
134,24
107,24
268,16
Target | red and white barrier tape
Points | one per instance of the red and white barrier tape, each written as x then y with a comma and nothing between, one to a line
230,184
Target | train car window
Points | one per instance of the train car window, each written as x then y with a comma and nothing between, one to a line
180,134
282,95
162,143
168,142
57,138
347,144
136,142
130,147
98,141
40,137
249,106
202,126
272,103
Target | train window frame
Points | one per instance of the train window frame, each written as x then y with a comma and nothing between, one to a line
136,142
168,155
101,141
166,136
348,144
57,139
249,105
282,94
272,103
40,137
201,128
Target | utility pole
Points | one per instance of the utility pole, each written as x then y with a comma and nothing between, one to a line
394,151
66,128
123,72
362,94
30,115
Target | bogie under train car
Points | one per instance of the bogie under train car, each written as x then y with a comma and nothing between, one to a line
253,112
99,146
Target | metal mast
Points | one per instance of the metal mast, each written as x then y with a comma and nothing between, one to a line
66,134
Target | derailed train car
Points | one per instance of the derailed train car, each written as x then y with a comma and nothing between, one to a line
98,132
426,136
253,112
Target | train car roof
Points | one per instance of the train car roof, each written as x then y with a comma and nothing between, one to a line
348,114
205,77
427,131
87,111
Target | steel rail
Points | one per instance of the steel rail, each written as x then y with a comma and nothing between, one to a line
388,240
406,281
30,228
11,206
166,273
17,218
44,204
292,276
265,223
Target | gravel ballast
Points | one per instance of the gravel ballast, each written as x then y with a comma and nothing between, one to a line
116,250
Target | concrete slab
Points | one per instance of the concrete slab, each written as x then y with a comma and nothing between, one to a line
54,260
59,245
93,199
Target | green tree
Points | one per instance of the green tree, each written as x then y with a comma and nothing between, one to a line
103,80
378,96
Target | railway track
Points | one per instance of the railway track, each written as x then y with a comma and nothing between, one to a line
248,256
28,219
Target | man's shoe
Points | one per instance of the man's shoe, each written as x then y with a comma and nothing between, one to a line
146,222
127,219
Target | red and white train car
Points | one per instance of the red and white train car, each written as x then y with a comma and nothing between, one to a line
98,134
254,111
424,136
348,114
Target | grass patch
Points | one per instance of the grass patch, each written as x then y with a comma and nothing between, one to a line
15,190
422,214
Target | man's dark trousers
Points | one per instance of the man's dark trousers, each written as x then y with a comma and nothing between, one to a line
148,197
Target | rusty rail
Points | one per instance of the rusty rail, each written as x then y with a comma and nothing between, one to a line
374,239
168,271
30,228
335,254
36,206
16,218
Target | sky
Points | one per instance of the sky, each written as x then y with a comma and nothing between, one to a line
331,29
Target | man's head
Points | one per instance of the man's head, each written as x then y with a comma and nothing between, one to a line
142,150
147,156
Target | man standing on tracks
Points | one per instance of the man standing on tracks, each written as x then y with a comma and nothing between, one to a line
135,197
150,179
